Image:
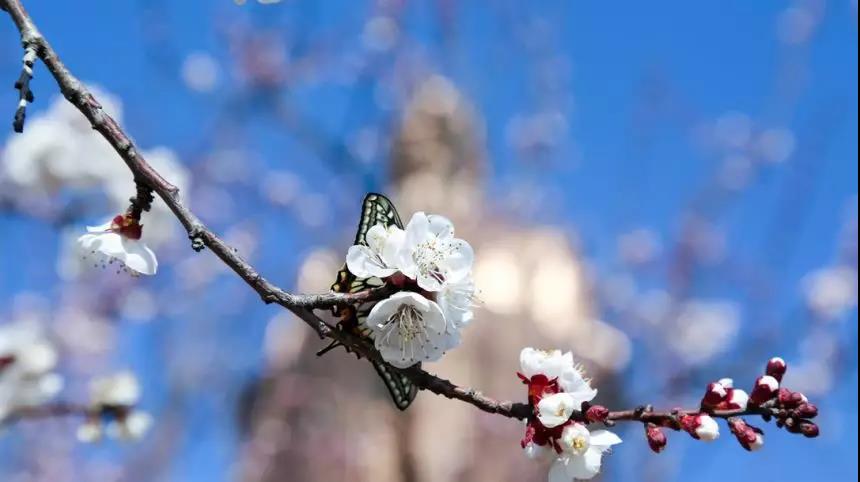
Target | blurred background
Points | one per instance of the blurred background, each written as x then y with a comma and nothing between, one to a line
667,190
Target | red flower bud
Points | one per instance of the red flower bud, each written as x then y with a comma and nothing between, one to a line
765,389
751,438
789,399
656,438
776,368
807,410
596,413
5,361
714,395
809,429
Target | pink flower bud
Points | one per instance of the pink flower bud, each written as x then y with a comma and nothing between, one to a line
701,427
596,413
656,438
714,394
776,368
807,410
789,399
737,399
809,429
766,388
751,438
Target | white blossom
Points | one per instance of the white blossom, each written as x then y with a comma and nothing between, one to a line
408,328
582,453
118,241
121,389
27,361
432,255
556,409
379,257
116,397
555,364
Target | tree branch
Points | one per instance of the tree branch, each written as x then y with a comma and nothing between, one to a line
149,180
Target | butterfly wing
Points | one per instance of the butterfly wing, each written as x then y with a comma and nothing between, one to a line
376,209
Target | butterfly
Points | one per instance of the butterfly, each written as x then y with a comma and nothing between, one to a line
376,209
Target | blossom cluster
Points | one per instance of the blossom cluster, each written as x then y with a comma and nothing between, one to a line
112,409
561,396
433,272
792,411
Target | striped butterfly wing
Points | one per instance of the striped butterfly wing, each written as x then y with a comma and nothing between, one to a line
376,209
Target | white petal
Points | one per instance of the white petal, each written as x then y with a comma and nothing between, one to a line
101,228
459,263
558,471
383,310
376,237
138,257
603,439
434,319
393,246
440,226
364,263
417,229
582,467
555,410
109,244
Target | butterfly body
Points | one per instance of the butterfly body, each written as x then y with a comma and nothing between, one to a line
376,209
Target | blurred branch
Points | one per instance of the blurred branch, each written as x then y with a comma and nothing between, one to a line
53,410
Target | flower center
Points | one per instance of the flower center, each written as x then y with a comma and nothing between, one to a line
126,226
428,256
409,322
579,445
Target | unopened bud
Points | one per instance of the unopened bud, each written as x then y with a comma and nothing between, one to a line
776,368
766,387
714,394
596,413
807,410
751,438
787,398
701,427
656,438
809,429
737,399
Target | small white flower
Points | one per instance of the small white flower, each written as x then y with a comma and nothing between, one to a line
432,255
408,328
555,364
582,453
89,432
118,241
555,410
379,257
131,427
121,390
